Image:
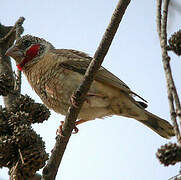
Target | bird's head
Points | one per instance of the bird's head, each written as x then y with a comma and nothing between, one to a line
27,50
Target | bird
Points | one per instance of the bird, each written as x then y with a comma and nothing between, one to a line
55,74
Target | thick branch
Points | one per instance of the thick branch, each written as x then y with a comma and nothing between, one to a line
50,170
5,63
8,36
171,89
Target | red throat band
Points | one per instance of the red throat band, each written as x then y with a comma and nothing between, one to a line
30,54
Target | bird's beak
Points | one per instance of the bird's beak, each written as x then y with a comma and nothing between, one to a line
14,52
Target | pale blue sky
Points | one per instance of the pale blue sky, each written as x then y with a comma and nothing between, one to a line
116,148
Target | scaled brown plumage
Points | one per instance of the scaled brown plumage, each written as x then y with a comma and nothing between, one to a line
55,73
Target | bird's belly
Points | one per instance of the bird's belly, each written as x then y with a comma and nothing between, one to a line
56,91
96,105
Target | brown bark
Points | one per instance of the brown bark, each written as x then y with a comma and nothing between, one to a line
173,99
8,36
5,63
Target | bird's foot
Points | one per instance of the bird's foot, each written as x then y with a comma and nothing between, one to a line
72,100
75,130
59,130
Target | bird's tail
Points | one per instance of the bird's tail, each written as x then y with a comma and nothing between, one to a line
160,126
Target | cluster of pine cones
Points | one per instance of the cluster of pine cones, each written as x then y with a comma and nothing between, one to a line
22,149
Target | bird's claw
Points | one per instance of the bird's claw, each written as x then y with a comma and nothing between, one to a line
75,130
59,130
73,102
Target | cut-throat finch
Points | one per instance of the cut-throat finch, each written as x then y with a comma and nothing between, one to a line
55,74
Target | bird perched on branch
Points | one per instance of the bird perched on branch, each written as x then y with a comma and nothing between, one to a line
55,74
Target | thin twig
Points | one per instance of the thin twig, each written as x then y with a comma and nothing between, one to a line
18,81
50,170
159,17
177,177
18,35
18,23
171,89
14,169
21,156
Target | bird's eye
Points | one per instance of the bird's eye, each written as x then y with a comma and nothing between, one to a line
26,43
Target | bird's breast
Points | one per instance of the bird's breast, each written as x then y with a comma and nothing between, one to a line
53,84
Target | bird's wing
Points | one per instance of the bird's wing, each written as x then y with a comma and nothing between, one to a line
79,61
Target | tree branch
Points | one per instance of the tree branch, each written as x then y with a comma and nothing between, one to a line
159,17
8,36
171,89
50,170
177,177
5,63
18,35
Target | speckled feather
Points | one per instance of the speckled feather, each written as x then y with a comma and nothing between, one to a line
55,74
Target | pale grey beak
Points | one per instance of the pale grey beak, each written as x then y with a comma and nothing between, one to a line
14,52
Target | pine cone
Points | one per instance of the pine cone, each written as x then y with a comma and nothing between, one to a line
5,115
175,42
24,136
37,112
22,150
169,154
33,159
17,119
6,85
8,152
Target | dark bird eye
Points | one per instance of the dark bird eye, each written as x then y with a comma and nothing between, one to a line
26,44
